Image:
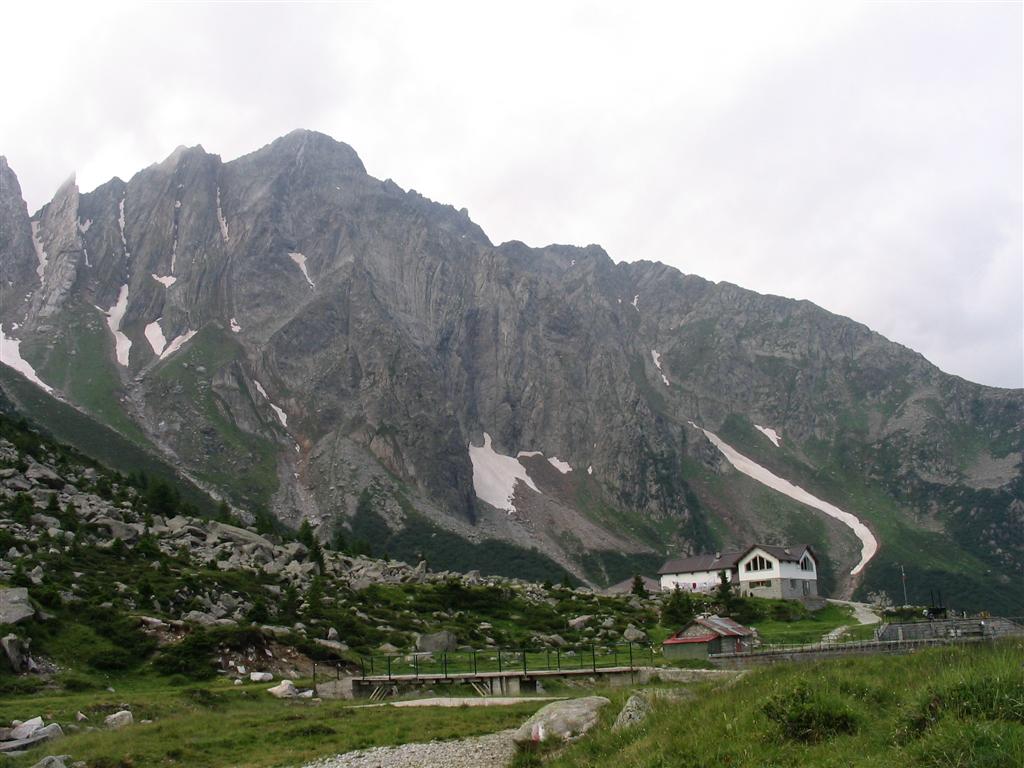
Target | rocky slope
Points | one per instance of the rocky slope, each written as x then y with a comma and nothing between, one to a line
298,335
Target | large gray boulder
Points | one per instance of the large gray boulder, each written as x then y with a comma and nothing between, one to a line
14,649
14,605
634,711
119,719
580,621
634,635
43,475
561,721
437,642
284,690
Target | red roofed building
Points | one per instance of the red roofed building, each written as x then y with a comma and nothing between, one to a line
707,635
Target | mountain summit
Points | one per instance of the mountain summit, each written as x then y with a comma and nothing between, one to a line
308,340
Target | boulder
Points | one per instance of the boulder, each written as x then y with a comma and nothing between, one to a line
331,645
119,719
580,621
53,761
261,677
14,649
43,475
14,605
437,642
25,729
634,635
284,690
560,720
332,634
81,717
636,708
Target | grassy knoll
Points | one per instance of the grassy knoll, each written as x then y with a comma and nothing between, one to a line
956,707
808,628
220,725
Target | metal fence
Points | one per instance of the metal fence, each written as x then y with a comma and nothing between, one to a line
995,629
502,661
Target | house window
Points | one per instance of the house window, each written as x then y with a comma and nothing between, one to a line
756,584
792,583
758,563
806,564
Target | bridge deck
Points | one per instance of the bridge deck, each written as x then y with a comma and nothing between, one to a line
504,674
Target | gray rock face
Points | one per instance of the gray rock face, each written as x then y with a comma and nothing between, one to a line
311,306
14,650
437,642
15,606
561,720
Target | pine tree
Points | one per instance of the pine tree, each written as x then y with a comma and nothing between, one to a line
639,588
678,611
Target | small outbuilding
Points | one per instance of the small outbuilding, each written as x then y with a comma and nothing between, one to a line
707,635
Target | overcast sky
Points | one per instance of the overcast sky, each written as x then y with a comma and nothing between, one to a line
867,157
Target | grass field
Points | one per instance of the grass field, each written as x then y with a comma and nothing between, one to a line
954,707
220,725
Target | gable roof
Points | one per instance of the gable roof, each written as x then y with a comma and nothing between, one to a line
723,561
719,561
717,626
791,554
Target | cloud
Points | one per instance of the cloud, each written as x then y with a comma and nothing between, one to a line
864,156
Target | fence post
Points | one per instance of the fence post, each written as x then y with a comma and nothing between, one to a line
416,664
524,662
558,659
444,663
499,661
371,666
474,661
362,666
631,654
389,667
593,657
314,676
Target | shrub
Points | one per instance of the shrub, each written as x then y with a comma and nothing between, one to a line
112,660
810,716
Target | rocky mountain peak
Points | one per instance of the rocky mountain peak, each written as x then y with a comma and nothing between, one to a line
310,340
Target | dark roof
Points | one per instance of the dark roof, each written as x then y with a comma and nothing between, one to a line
791,554
720,561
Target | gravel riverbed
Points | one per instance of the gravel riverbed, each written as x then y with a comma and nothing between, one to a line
490,751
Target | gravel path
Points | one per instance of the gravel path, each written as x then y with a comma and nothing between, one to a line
493,750
862,612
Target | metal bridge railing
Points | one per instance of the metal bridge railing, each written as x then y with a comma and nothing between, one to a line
514,661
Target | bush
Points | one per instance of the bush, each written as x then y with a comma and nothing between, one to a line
191,658
112,660
810,716
78,683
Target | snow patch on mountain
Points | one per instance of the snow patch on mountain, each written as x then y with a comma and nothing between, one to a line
562,466
166,281
300,262
750,468
155,336
495,476
281,415
770,433
10,355
223,222
120,224
235,327
176,344
122,344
